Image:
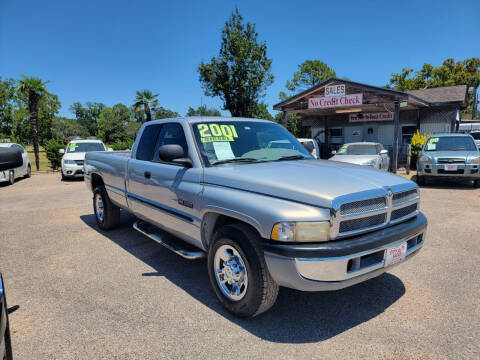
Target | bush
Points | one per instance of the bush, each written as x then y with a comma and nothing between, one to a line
122,145
417,142
52,148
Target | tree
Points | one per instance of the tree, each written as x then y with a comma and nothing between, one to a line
309,74
63,128
203,111
87,115
294,123
147,100
52,150
113,122
466,72
241,72
163,113
31,90
7,107
260,111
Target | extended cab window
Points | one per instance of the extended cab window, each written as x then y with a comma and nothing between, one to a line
146,145
171,134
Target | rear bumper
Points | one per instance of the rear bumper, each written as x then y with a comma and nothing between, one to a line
339,264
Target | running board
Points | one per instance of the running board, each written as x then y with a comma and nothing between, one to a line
179,247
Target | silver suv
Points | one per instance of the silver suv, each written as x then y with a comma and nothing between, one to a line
452,155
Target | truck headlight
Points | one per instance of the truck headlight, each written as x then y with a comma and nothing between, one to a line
475,160
372,162
424,160
69,162
301,231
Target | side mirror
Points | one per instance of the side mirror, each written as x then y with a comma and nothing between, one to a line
383,152
334,152
61,151
174,153
309,146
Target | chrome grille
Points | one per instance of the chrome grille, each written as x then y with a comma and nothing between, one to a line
363,206
451,160
404,196
361,223
402,212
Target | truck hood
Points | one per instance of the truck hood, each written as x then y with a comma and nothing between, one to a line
354,159
74,156
315,182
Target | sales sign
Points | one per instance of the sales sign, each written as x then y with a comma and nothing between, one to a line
335,90
335,101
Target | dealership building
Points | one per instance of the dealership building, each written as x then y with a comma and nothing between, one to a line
349,112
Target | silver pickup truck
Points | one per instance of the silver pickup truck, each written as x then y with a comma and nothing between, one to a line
263,217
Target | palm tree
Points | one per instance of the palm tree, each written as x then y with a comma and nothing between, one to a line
31,90
147,100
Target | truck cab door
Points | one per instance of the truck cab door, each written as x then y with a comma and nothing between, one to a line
165,194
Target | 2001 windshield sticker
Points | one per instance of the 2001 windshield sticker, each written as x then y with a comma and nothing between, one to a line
215,132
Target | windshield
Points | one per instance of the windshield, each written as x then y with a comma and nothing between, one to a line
450,143
85,147
246,141
357,149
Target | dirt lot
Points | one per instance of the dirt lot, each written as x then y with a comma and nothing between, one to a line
87,294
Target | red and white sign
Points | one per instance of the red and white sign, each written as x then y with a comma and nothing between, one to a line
380,116
395,254
335,101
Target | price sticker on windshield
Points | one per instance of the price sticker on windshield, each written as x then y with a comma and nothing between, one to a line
217,133
73,147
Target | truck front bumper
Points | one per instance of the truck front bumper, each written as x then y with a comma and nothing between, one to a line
464,171
338,264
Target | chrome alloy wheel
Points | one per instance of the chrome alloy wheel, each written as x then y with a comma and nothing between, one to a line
99,207
230,272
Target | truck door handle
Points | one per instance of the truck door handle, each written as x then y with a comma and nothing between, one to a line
147,174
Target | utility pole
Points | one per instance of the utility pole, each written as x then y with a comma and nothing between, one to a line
396,122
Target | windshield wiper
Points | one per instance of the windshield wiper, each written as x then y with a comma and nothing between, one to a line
291,157
226,161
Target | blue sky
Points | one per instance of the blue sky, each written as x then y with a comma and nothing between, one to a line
106,50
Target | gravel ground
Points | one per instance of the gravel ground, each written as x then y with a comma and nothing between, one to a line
87,294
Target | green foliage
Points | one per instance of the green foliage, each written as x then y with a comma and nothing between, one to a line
122,145
7,107
162,113
202,111
417,142
310,73
294,123
87,115
112,123
147,100
52,149
63,128
466,72
260,111
241,72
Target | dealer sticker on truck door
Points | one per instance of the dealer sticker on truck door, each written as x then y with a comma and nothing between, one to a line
395,254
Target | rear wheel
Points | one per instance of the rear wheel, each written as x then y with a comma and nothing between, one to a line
238,273
107,214
11,177
29,171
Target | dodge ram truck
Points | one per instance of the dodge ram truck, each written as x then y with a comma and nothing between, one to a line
262,216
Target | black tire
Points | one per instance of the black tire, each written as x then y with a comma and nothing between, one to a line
476,183
111,212
29,172
11,177
262,291
420,180
64,178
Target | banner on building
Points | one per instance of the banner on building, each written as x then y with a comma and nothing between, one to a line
380,116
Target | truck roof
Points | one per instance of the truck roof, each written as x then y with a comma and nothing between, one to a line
195,119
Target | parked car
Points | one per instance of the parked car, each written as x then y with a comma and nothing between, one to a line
363,153
5,342
311,146
24,170
451,155
476,138
74,156
263,216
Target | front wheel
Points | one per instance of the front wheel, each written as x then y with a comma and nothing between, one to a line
107,214
29,171
238,272
11,177
476,183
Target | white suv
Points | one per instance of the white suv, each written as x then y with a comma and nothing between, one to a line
24,170
74,156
